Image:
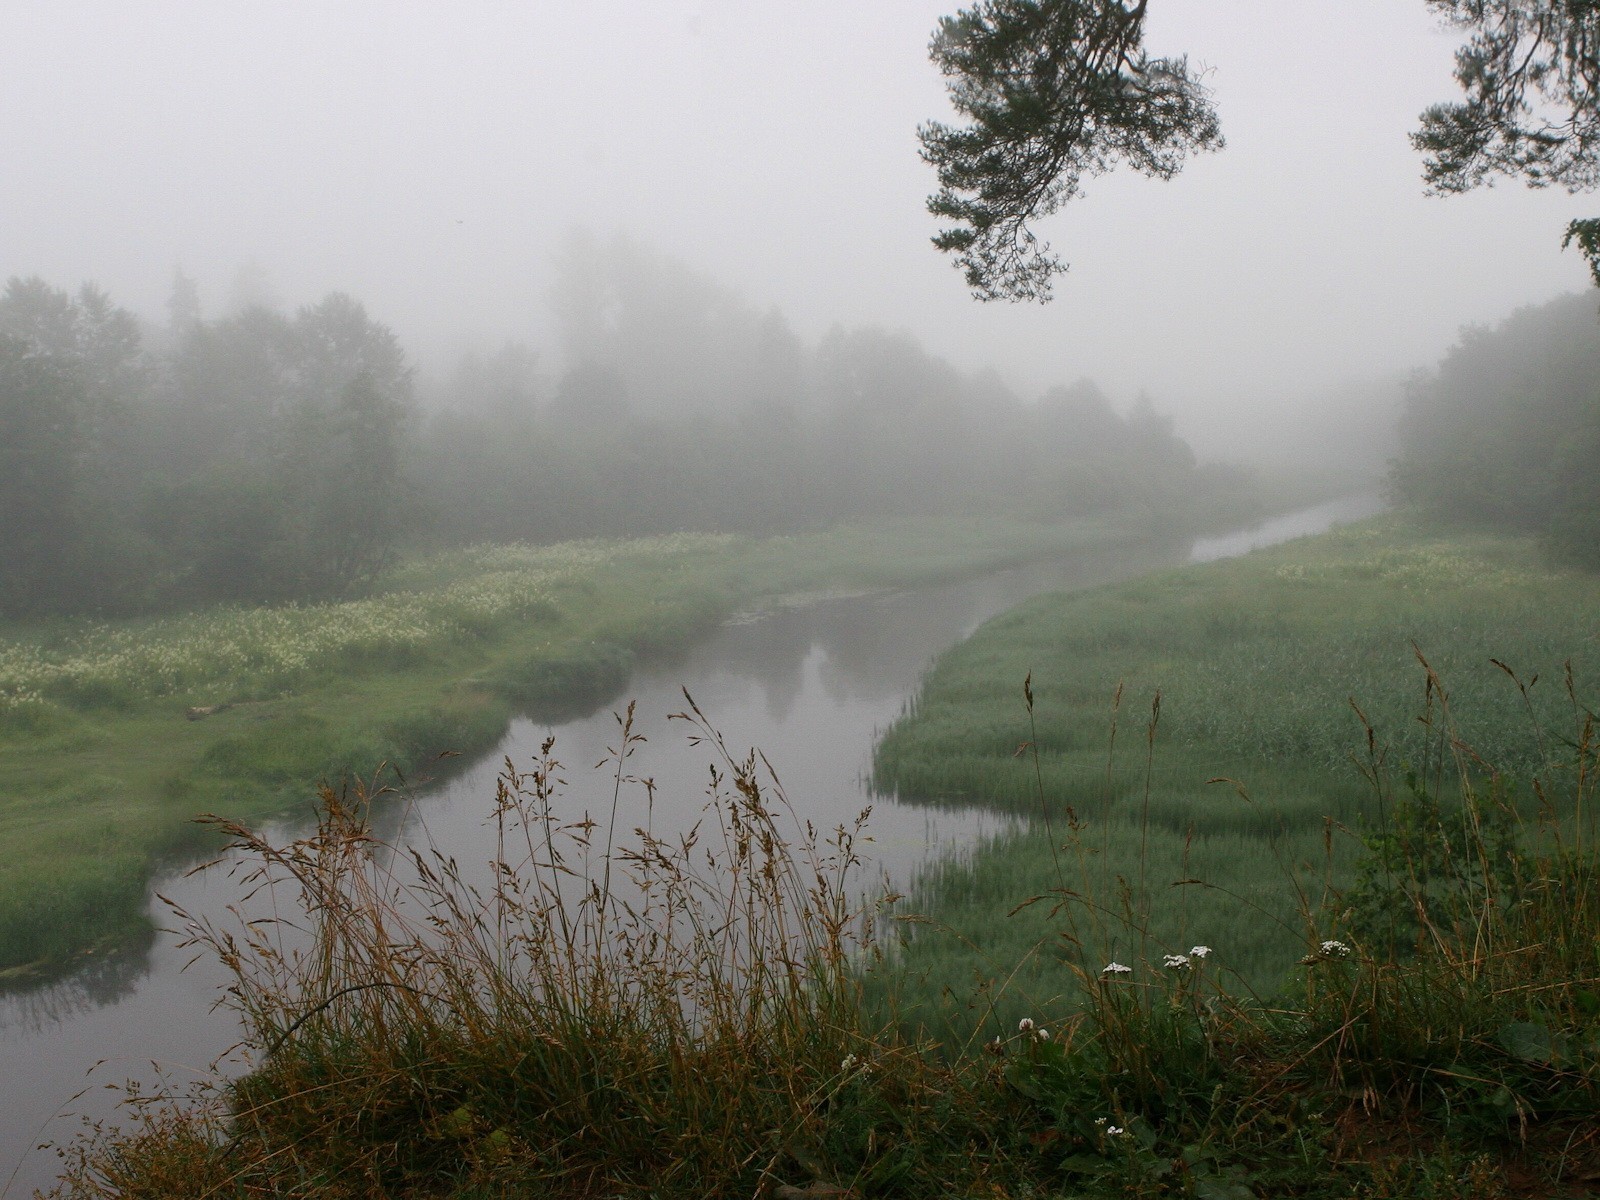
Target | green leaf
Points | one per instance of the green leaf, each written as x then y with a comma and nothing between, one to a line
1529,1042
457,1123
1084,1164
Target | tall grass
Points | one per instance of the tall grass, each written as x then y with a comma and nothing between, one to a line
668,1015
709,1014
438,657
1427,985
1167,987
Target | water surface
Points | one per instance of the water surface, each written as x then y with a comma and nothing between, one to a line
810,685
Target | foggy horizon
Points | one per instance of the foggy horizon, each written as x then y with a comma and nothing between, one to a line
432,162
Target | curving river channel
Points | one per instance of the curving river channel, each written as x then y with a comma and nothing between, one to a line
810,684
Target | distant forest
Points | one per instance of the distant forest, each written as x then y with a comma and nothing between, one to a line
1505,434
270,456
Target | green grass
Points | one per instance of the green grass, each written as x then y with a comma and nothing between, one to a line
1203,725
711,1027
101,772
1413,1014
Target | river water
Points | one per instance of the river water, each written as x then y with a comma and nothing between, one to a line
810,684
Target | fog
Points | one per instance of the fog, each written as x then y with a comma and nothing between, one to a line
432,159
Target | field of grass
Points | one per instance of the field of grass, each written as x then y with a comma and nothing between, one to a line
1210,725
113,736
712,1029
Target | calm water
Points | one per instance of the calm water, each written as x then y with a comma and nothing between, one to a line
810,686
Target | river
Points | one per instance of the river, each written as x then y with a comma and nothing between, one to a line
810,684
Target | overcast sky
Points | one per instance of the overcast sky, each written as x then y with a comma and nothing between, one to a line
429,156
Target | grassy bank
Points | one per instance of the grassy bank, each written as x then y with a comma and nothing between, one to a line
703,1023
1210,725
114,735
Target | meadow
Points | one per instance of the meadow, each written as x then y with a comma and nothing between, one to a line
1202,755
115,735
1166,985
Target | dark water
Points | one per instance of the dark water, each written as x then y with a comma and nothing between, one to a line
810,685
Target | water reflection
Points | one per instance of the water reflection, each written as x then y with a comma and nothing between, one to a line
811,686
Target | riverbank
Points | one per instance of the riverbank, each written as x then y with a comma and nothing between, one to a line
113,736
736,1028
1193,748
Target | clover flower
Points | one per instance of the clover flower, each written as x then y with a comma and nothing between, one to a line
1043,1035
1115,968
1025,1024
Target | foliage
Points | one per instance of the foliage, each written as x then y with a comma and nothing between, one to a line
1056,89
259,458
1530,80
40,440
1504,433
273,456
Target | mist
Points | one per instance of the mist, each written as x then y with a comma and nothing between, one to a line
435,164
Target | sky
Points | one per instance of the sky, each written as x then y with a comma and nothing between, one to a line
431,157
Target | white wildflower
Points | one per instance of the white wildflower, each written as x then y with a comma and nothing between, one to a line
1176,962
850,1061
1115,968
1043,1035
1115,1131
1025,1024
1335,950
1199,951
1100,1120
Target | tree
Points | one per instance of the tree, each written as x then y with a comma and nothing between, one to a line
183,304
1058,89
359,518
340,443
40,441
1530,75
1055,90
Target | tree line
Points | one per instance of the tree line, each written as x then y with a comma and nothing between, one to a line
1505,434
257,456
266,455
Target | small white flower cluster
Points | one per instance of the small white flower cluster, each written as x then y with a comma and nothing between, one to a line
1182,962
1332,949
1173,962
1026,1025
1110,1129
850,1060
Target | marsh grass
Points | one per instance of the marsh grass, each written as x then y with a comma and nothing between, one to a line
438,657
668,1015
711,1013
1399,913
1403,1005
